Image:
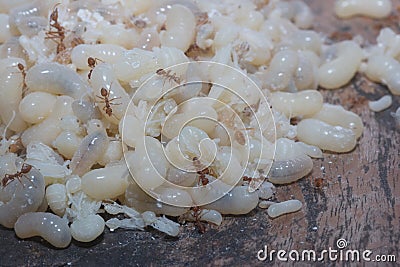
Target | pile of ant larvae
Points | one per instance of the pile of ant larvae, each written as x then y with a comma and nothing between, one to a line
187,109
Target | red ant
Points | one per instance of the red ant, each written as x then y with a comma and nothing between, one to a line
105,97
168,75
92,63
196,211
203,180
56,31
26,168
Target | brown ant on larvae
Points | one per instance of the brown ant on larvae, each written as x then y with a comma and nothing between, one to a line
203,180
56,31
196,211
168,75
105,98
25,169
92,62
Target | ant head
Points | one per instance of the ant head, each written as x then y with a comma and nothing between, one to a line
20,66
160,71
91,62
103,92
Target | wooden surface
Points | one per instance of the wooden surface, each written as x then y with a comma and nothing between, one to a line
361,202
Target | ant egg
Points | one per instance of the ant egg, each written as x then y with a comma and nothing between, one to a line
87,229
326,136
37,106
113,153
279,209
105,183
56,79
180,28
238,201
67,143
48,130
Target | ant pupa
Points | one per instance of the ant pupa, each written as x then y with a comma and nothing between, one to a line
168,75
25,169
105,98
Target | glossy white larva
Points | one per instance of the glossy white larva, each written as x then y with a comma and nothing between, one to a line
50,227
279,209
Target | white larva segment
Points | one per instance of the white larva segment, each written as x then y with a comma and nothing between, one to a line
50,227
290,163
134,64
384,69
301,103
113,153
85,110
340,70
11,92
149,38
336,115
73,184
167,226
89,152
238,201
325,136
381,104
396,115
104,77
173,196
117,34
22,12
279,209
50,163
24,196
148,163
36,106
31,26
5,33
132,130
370,8
109,53
48,130
56,196
281,69
180,28
181,177
12,48
70,123
105,183
67,143
135,197
87,229
304,17
311,151
56,79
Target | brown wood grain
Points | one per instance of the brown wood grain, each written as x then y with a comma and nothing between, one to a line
360,203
